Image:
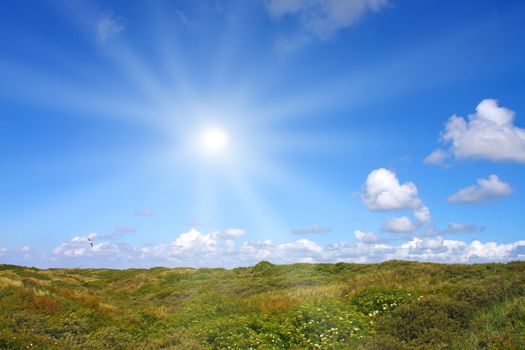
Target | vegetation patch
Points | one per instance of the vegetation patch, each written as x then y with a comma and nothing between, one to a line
396,305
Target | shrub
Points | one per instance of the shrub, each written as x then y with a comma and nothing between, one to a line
499,327
488,291
431,321
262,267
373,301
47,304
330,325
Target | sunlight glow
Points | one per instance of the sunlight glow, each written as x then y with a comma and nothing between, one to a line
214,141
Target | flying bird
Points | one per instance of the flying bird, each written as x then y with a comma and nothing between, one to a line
90,240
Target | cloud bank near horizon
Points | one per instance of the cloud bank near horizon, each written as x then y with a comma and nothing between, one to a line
221,249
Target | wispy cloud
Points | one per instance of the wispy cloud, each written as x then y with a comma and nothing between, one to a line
143,212
485,189
319,18
437,157
125,229
231,233
454,227
108,26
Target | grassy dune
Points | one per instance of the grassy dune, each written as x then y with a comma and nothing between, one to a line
392,305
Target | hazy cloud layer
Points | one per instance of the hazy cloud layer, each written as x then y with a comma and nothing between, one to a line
454,227
485,189
315,228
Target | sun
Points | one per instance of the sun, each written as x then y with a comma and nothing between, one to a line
214,141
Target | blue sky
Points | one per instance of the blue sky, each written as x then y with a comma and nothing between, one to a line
221,133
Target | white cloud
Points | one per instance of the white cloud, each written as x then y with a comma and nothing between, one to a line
486,189
437,157
424,243
194,240
3,250
197,249
108,26
79,247
383,191
366,237
441,250
320,18
400,224
252,252
422,214
76,247
315,228
490,133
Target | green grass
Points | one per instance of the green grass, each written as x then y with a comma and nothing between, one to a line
392,305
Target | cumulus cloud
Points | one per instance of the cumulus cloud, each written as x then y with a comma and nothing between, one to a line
398,225
143,212
315,228
383,191
320,18
486,189
197,249
108,26
437,157
366,237
441,250
489,133
194,240
79,247
125,229
422,214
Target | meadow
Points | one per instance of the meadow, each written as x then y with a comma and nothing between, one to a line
386,306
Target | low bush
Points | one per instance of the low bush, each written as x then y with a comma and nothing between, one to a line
378,300
389,306
433,321
262,267
488,291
